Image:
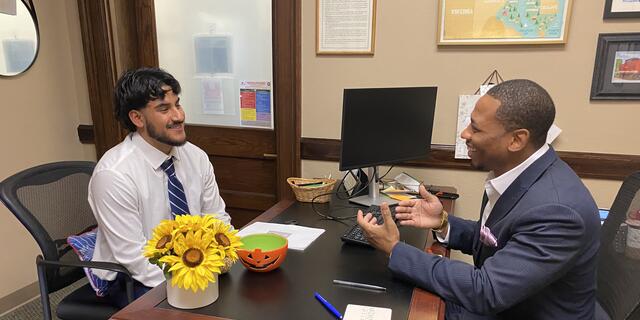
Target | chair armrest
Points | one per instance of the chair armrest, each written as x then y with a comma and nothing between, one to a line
111,266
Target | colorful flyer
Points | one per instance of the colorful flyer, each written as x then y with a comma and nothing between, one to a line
255,104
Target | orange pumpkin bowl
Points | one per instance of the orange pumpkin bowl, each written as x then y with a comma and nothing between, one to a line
263,252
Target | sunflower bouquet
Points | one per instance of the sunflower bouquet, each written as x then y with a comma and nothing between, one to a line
192,249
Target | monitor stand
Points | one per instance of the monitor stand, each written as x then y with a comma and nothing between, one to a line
374,196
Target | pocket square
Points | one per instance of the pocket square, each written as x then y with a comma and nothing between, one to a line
487,237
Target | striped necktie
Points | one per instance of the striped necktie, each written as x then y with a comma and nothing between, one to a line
177,198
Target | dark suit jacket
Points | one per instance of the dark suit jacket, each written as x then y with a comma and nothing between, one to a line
544,266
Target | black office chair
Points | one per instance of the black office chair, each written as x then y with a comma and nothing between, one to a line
618,289
51,202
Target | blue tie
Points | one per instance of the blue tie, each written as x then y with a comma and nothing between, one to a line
177,199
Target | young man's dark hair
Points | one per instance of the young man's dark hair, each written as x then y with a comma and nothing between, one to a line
525,105
136,88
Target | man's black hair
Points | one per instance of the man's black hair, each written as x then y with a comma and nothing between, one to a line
136,88
524,104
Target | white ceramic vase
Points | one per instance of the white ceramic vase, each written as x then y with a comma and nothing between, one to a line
187,299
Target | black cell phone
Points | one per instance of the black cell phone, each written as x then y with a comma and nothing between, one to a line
444,194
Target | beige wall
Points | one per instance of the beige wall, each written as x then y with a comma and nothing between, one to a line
41,110
44,106
406,54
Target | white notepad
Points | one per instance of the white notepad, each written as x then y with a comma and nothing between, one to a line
358,312
299,237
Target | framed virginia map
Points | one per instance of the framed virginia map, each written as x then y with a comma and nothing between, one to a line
479,22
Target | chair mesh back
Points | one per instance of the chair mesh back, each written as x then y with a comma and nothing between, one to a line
618,275
60,206
51,202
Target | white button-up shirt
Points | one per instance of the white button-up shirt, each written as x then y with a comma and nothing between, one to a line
129,197
496,186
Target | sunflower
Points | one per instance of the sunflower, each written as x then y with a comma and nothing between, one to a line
193,223
225,238
195,262
161,241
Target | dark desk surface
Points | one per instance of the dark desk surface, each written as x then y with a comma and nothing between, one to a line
287,292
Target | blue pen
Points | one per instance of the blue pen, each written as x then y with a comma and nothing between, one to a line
328,305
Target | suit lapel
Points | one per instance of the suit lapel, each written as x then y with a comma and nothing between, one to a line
519,187
485,200
476,237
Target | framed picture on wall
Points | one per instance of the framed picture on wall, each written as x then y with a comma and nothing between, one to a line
621,9
345,27
503,22
616,74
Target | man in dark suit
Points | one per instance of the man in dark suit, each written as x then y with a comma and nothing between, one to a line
535,245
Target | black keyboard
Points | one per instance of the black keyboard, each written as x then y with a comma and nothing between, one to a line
355,234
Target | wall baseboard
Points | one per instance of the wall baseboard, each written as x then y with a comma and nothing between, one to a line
18,298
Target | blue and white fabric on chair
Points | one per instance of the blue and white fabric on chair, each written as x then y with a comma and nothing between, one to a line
83,245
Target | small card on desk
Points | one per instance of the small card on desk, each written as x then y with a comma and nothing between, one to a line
358,312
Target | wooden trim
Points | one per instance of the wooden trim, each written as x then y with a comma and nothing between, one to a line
146,31
232,142
248,200
151,299
164,314
99,58
287,81
110,35
585,164
422,302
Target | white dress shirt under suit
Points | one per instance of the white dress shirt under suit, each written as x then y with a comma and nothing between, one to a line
128,196
496,186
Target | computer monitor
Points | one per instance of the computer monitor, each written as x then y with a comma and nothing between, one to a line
385,126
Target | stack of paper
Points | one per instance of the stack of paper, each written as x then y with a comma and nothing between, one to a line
299,237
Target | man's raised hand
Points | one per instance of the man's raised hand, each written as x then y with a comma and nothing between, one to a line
420,213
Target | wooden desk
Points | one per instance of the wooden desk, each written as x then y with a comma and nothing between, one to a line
243,292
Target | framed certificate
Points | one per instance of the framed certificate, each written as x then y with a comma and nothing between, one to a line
345,27
621,9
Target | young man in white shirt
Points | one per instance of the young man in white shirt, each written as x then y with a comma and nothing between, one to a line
130,191
536,242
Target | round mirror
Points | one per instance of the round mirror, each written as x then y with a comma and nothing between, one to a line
19,38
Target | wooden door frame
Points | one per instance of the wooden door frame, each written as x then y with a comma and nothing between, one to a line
120,34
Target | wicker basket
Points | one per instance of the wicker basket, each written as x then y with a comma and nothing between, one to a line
308,193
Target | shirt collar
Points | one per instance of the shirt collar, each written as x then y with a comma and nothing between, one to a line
154,156
501,183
